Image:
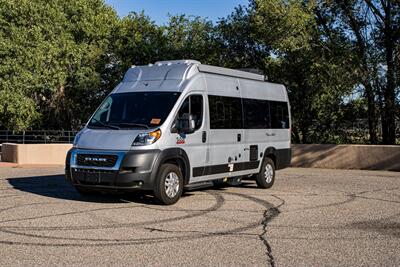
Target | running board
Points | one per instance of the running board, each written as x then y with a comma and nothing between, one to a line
198,185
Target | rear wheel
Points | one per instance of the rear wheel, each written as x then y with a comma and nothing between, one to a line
266,177
169,184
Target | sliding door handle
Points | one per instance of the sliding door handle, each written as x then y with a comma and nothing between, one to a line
204,137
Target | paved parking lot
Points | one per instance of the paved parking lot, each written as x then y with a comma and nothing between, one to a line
311,217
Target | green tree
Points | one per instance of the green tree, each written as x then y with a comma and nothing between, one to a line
313,59
138,41
190,37
375,30
54,58
236,39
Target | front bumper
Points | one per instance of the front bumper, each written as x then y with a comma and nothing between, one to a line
132,170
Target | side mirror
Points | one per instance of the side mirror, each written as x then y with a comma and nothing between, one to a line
185,124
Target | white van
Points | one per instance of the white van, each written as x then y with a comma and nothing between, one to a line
177,124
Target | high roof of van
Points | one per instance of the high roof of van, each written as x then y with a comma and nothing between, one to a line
170,75
178,69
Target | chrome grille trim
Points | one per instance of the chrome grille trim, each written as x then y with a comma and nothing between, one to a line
75,152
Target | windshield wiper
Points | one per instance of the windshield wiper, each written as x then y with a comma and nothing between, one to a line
106,125
134,124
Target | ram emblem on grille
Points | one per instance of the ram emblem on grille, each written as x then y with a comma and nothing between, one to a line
95,159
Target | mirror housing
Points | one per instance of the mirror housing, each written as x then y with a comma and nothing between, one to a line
185,124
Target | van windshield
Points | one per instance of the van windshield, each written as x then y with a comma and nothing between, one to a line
134,110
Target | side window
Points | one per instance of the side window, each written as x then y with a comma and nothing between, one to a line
256,114
225,112
279,115
193,104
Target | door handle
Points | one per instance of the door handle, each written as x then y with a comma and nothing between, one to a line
204,137
239,137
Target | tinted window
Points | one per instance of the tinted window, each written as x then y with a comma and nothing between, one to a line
193,105
256,114
130,110
279,115
225,112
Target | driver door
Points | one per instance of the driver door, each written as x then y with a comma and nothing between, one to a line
194,144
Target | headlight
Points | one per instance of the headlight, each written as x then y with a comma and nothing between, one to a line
145,139
76,139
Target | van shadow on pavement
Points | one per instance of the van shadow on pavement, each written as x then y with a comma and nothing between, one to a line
56,186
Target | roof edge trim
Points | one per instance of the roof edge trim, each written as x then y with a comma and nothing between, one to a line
231,72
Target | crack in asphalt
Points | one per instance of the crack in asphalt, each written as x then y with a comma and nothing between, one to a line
269,214
152,229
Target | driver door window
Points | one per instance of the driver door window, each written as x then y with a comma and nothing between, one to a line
193,105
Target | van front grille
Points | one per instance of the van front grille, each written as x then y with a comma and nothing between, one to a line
96,160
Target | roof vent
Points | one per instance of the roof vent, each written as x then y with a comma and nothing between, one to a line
181,61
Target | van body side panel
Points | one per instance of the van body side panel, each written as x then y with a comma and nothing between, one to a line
279,139
225,148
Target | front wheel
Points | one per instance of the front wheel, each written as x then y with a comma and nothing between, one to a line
266,177
169,184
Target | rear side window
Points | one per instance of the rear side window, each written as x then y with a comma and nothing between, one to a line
264,114
256,114
279,115
225,112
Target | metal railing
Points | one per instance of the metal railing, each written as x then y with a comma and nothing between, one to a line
37,136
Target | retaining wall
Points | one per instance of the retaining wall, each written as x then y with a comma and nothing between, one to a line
35,154
362,157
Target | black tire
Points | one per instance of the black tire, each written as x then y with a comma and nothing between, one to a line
261,178
160,191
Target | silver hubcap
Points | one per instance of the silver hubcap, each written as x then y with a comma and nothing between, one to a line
268,173
171,184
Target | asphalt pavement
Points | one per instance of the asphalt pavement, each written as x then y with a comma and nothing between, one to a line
310,217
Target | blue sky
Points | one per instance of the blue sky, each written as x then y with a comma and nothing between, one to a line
157,10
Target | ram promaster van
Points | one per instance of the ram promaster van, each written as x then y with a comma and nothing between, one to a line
177,124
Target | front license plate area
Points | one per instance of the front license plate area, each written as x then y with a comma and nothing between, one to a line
92,177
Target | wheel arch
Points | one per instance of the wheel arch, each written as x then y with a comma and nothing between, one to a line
280,157
175,156
270,152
